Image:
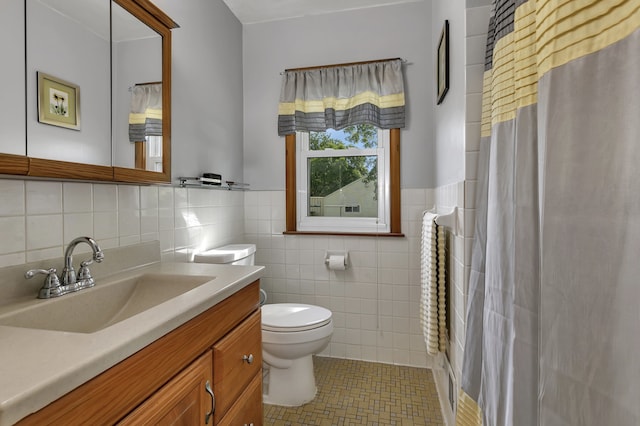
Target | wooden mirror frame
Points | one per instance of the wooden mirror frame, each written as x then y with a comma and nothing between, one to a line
156,19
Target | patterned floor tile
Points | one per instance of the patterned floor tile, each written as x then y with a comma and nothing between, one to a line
364,393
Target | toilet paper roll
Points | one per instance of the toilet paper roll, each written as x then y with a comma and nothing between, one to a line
337,263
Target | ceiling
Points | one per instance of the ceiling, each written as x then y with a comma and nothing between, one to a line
254,11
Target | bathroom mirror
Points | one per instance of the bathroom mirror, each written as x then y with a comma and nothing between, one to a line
12,115
79,61
136,92
69,41
144,168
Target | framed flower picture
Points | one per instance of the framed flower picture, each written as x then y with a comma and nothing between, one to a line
58,102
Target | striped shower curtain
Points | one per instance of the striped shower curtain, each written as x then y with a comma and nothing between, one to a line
552,318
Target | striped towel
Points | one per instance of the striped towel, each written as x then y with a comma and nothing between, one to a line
433,285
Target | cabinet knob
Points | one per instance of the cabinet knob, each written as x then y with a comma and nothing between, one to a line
248,358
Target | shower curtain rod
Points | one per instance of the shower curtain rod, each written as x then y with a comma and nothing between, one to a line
144,84
346,64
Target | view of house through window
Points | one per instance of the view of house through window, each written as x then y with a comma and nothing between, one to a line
343,179
154,153
341,183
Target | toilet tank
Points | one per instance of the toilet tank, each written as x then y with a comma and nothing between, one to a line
232,254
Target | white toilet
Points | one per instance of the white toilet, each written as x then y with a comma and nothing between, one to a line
291,334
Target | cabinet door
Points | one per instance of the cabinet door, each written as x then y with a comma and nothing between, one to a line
237,358
248,409
182,401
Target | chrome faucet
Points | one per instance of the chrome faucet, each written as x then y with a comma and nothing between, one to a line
69,274
69,281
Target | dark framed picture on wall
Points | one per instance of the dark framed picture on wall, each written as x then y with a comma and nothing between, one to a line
442,71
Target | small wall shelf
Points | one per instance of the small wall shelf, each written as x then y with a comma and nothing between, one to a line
197,182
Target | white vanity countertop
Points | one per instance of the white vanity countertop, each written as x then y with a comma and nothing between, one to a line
39,366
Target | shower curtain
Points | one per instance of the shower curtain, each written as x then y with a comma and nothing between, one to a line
553,326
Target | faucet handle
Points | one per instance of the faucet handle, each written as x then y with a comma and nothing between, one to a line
50,281
51,286
84,275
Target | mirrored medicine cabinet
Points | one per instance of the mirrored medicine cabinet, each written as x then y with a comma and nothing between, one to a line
88,92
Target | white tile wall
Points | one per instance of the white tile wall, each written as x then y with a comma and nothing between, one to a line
447,197
374,301
43,197
38,218
13,195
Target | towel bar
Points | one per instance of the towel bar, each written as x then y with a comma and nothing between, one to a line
449,220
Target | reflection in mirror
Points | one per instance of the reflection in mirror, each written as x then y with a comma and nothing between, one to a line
137,92
80,55
12,127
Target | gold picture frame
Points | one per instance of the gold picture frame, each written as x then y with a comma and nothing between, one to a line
442,77
58,102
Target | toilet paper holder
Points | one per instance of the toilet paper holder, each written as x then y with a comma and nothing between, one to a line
329,253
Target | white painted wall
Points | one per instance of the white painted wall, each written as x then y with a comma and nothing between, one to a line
449,116
206,89
377,33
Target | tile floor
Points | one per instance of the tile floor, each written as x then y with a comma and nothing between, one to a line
364,393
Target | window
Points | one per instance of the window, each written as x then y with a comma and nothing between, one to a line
344,181
154,153
340,170
148,154
316,98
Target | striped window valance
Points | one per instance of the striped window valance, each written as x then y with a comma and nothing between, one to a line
335,97
145,117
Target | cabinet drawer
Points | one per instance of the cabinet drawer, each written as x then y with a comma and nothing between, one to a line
232,372
248,410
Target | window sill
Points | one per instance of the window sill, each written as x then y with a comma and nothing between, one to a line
347,234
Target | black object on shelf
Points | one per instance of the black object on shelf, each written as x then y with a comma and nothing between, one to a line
211,179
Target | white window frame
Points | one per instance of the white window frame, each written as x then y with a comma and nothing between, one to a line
378,224
154,153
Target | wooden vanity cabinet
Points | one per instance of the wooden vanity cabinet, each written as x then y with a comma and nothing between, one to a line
248,408
164,383
237,361
182,401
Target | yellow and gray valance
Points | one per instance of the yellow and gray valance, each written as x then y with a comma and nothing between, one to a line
339,96
145,117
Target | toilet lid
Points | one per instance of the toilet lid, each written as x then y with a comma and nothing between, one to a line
225,254
288,317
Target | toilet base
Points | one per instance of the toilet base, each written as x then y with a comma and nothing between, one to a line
293,386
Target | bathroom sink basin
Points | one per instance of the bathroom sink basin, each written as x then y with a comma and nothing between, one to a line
94,309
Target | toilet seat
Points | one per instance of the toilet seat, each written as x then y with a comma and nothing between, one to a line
292,317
